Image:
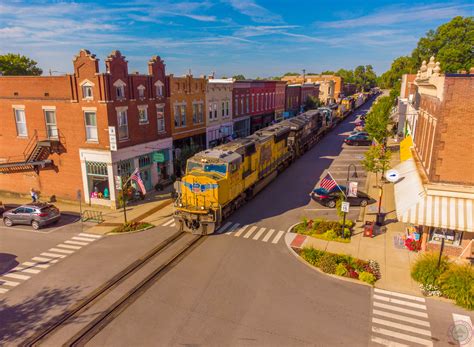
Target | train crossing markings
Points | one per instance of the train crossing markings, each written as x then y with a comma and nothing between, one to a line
258,234
83,239
31,271
8,283
44,260
251,230
241,230
41,266
90,235
173,225
16,276
168,222
268,235
53,255
76,243
57,250
278,236
232,229
224,227
69,246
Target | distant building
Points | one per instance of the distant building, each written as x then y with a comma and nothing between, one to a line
336,86
349,89
436,191
219,111
293,99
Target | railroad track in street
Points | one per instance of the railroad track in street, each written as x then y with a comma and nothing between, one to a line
88,317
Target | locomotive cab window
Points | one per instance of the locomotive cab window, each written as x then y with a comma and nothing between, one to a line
193,166
218,168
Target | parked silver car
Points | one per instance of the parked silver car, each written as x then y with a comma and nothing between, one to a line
36,214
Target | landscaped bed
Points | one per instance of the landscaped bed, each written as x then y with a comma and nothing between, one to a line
341,264
132,227
325,229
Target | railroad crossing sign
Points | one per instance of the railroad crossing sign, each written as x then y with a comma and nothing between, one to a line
345,206
392,176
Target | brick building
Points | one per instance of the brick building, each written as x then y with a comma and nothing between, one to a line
187,100
436,193
60,134
219,111
333,81
280,89
293,99
309,90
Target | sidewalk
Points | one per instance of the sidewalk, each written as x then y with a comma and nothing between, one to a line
395,262
155,207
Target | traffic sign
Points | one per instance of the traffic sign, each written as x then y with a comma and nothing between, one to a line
392,175
345,206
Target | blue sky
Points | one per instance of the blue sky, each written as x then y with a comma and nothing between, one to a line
252,37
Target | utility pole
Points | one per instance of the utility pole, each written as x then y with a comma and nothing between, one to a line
304,75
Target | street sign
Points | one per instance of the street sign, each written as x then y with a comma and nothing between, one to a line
118,182
352,189
345,207
158,157
392,175
112,139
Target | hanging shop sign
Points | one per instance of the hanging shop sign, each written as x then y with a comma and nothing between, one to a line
352,192
112,139
158,157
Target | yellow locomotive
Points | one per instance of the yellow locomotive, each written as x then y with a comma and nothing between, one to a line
219,180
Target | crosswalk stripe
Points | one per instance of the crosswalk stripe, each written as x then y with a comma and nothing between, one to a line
53,255
8,283
76,243
41,266
82,239
173,225
387,343
60,250
259,233
168,222
401,318
232,229
90,235
401,309
241,230
268,235
44,260
401,336
3,290
278,236
31,271
399,302
401,326
251,230
69,246
17,276
224,227
400,295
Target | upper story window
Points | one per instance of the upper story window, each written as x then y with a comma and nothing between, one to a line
201,113
227,108
179,116
236,106
247,102
122,121
160,116
223,109
87,92
252,99
141,91
20,120
159,88
210,111
90,119
119,89
215,110
143,114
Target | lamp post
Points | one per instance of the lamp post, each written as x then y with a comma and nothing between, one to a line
354,175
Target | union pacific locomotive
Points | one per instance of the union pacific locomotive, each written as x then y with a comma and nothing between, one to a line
220,180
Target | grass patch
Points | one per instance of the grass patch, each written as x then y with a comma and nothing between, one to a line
131,226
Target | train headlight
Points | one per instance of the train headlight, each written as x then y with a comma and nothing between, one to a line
180,205
202,207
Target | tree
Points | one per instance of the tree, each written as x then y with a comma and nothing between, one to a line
291,74
312,103
377,159
347,75
18,65
378,119
328,72
238,77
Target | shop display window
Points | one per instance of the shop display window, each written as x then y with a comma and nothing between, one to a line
451,237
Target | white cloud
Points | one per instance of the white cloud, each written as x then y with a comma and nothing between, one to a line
262,30
256,12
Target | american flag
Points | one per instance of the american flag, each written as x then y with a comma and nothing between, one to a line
137,178
328,183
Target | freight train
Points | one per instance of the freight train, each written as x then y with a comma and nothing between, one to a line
220,180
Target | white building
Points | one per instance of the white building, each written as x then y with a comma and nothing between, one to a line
219,111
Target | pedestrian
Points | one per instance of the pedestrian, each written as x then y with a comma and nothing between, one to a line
33,194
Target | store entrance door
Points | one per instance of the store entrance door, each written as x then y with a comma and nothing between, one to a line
146,177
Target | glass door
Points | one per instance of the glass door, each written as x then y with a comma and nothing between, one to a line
51,127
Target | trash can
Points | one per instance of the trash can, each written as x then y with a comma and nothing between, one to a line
369,229
380,219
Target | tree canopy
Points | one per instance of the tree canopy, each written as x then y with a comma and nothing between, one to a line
238,77
18,65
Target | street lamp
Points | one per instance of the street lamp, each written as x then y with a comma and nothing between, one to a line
354,175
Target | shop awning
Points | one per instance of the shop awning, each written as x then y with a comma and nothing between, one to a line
430,208
405,148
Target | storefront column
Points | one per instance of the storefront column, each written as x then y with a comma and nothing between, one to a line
424,237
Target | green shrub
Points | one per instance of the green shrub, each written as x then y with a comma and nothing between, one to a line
331,234
311,255
347,233
457,283
304,223
327,263
131,226
341,270
426,271
367,277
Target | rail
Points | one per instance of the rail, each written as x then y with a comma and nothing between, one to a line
91,215
99,323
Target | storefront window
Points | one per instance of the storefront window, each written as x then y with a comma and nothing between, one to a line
451,237
98,180
125,167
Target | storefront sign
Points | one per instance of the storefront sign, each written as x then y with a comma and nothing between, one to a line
345,207
112,139
352,192
158,157
118,182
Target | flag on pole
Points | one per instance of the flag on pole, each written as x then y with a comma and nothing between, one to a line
328,182
138,179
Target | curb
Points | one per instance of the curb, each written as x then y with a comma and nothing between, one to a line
288,236
110,233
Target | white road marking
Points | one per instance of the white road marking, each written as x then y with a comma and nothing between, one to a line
467,319
44,260
232,229
8,283
400,295
173,225
17,276
241,230
278,236
259,233
401,309
69,246
387,343
268,235
399,302
224,227
60,250
401,336
42,266
82,239
31,271
90,235
251,230
3,290
168,222
400,326
52,255
76,243
401,318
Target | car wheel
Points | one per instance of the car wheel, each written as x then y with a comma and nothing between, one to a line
331,204
8,222
363,203
35,225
